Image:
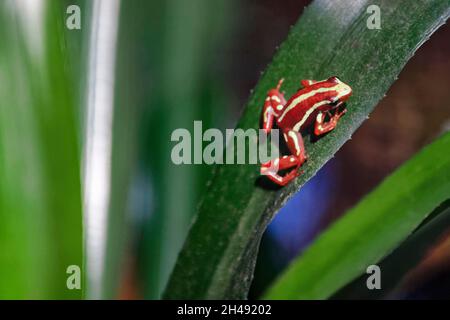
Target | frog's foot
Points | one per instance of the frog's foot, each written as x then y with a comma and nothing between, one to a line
336,113
271,169
283,180
340,113
322,126
279,84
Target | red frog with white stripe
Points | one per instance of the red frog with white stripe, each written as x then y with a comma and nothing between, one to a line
318,106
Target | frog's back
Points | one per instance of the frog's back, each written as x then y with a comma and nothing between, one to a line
302,108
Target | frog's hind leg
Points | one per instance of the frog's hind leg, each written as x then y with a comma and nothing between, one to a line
295,144
271,168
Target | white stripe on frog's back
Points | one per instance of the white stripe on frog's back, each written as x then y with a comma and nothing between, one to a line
343,91
308,113
305,96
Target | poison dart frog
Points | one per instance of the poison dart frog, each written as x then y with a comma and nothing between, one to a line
318,105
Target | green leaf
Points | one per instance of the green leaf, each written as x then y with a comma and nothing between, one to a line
372,229
331,38
403,259
40,191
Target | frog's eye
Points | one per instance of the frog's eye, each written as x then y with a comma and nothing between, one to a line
334,79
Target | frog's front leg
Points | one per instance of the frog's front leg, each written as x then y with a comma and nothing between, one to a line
321,126
294,142
274,103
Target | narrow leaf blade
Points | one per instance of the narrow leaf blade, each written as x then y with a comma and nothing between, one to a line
371,230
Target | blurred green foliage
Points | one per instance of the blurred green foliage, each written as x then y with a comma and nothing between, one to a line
181,79
397,265
40,190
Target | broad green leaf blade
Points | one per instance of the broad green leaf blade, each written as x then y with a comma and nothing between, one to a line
403,259
372,229
40,191
331,38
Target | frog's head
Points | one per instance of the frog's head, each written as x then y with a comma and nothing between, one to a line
344,91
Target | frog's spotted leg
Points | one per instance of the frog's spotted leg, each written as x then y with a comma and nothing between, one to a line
271,168
295,144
